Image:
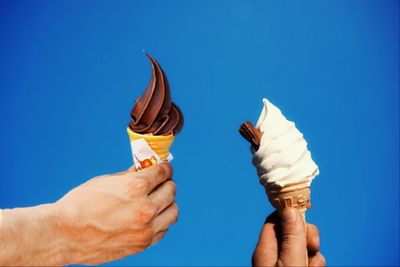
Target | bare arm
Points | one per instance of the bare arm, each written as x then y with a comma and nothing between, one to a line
28,236
104,219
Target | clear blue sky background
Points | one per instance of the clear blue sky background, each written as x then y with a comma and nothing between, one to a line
71,70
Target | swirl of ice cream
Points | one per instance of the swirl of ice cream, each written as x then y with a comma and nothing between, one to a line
154,113
282,158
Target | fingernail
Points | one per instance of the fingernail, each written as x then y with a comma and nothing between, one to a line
289,215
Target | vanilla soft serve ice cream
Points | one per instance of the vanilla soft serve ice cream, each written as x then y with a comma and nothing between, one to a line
282,158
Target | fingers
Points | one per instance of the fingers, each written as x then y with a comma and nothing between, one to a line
163,196
164,220
313,243
312,238
155,175
266,251
294,239
157,237
317,260
151,177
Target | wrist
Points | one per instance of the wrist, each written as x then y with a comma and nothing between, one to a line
67,225
45,231
60,226
30,236
51,216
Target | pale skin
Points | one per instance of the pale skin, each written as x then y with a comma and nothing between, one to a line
105,219
285,241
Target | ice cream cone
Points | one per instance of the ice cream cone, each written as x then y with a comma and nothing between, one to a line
283,161
160,144
295,196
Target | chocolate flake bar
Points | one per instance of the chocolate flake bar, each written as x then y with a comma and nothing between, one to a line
251,134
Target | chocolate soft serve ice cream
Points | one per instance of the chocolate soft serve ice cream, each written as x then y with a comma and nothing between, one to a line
155,121
154,112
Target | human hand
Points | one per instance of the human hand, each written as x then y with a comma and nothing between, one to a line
113,216
284,241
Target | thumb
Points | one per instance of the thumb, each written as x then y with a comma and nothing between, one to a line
294,239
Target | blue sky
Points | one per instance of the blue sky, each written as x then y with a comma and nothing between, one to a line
71,70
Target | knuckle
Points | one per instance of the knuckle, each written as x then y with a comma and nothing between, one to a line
139,185
167,169
141,238
172,187
161,171
146,236
290,239
147,213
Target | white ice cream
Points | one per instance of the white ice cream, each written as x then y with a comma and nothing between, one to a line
283,158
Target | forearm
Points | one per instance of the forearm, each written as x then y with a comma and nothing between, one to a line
30,236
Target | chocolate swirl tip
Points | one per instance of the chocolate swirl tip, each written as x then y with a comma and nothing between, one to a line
154,112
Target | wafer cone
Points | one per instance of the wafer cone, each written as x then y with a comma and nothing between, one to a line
160,144
295,196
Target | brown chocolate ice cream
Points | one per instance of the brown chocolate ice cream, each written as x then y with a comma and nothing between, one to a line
154,112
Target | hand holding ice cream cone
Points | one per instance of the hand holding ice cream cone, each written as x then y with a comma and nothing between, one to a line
283,162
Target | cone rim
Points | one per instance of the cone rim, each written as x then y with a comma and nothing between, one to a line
149,136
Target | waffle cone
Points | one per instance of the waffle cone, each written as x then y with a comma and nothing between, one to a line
295,196
160,144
